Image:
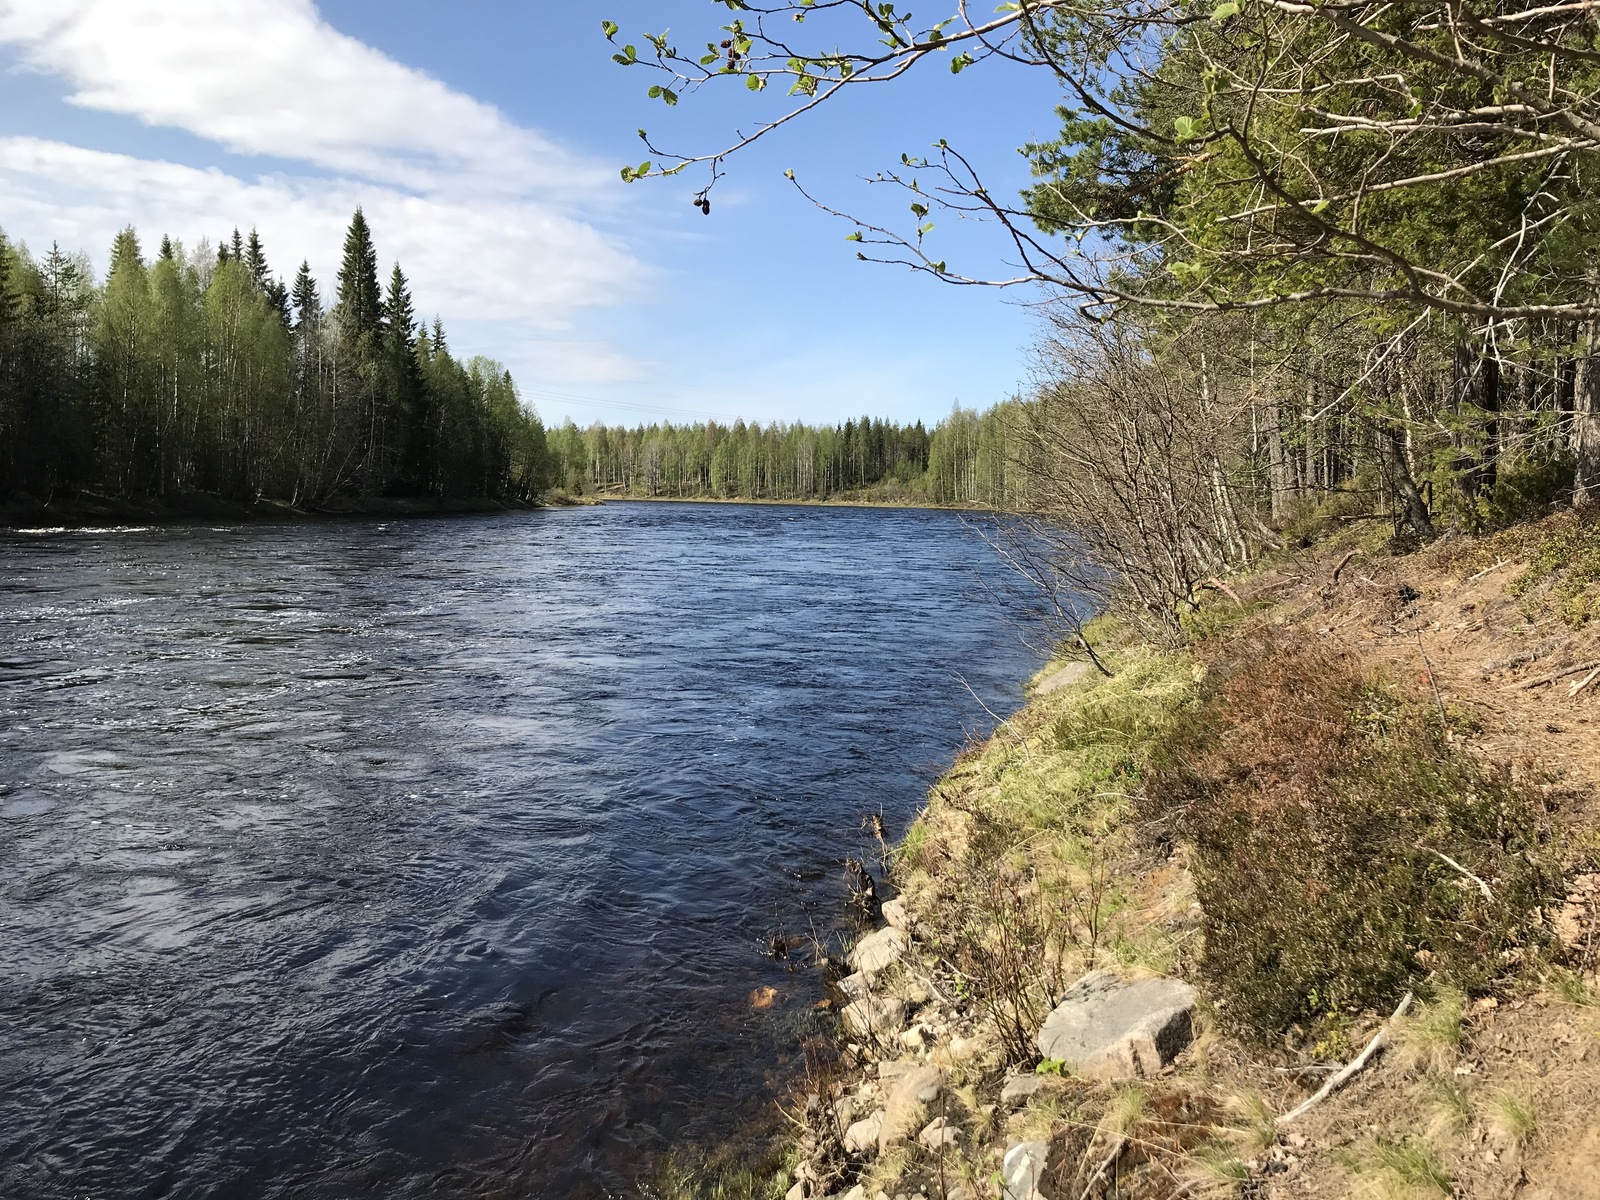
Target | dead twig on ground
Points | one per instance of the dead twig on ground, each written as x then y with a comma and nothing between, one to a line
1578,689
1374,1048
1557,677
1343,563
1487,571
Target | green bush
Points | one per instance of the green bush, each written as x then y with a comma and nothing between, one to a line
1322,808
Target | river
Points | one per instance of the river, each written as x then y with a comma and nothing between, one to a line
438,857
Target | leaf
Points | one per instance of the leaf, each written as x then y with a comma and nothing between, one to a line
670,96
960,63
1228,8
755,83
1186,128
854,237
655,91
609,28
919,210
925,230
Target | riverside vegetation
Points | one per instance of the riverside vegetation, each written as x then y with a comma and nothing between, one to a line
201,375
1316,429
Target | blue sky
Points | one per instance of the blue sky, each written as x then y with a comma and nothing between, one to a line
483,139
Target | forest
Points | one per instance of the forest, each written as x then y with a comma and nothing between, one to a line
1304,263
202,372
965,460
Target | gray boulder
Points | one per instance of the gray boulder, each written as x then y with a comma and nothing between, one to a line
879,950
1106,1029
862,1137
1020,1089
875,1016
1022,1171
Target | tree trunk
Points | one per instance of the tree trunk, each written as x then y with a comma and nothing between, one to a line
1586,423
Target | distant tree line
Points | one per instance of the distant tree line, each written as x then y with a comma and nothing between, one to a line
966,459
203,372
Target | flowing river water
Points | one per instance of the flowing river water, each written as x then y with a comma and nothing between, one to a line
437,857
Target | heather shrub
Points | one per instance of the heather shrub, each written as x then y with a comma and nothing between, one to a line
1344,848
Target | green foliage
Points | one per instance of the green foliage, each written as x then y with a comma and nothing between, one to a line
968,458
1334,826
192,374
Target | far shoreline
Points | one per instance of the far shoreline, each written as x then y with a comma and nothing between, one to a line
905,505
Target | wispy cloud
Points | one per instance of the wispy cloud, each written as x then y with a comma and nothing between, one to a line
271,77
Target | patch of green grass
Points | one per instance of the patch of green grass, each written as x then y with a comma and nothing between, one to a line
1449,1112
1431,1037
1510,1115
1408,1170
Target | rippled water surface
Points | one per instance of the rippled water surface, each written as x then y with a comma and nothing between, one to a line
434,858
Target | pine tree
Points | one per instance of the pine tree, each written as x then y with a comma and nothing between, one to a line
360,301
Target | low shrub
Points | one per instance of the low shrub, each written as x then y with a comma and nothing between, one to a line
1344,849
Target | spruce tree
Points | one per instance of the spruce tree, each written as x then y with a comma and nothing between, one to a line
236,250
360,301
307,303
167,251
399,317
255,259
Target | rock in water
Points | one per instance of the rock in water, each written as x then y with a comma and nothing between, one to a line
1106,1029
1023,1170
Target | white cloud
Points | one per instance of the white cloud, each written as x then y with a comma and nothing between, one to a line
472,257
475,207
271,77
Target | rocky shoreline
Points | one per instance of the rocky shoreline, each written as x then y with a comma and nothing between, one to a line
1064,999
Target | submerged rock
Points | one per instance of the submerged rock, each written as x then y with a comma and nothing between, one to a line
1106,1029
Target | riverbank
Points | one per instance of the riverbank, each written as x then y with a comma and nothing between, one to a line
1351,833
86,510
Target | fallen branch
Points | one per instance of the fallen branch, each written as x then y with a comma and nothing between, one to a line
1504,562
1454,865
1106,1165
1578,689
1343,563
1547,680
1374,1048
1227,591
1444,717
